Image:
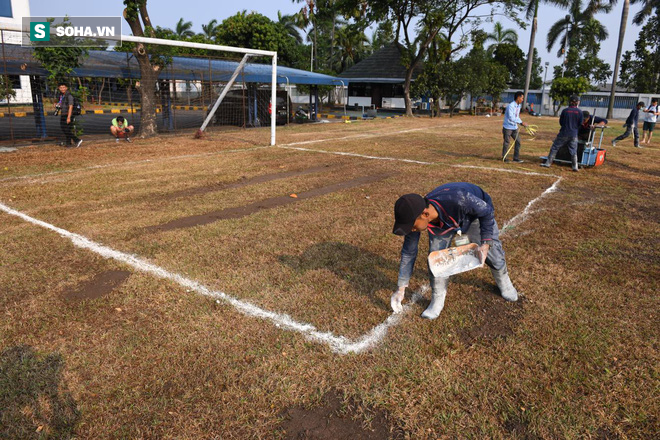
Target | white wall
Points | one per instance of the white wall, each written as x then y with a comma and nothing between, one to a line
19,9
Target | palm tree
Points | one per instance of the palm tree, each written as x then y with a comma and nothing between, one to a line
210,29
500,36
648,6
183,29
351,44
531,13
571,27
290,23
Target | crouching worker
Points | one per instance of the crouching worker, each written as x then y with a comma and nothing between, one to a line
444,212
121,129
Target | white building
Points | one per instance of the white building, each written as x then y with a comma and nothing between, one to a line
12,12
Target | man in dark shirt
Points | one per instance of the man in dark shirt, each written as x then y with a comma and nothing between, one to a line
588,123
67,118
570,120
451,209
631,126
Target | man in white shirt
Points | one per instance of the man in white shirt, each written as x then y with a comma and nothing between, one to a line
510,127
650,119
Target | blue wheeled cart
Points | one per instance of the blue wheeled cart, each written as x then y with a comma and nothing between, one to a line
590,155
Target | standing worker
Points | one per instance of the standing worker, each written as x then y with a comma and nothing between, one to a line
510,127
67,118
449,209
650,119
570,120
631,126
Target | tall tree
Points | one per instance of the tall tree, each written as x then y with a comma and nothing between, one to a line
500,36
383,35
648,7
137,17
579,35
513,58
290,23
428,17
183,29
617,60
639,67
209,30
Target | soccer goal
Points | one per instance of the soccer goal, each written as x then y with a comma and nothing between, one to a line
202,89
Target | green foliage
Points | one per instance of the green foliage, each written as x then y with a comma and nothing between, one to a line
562,88
640,69
256,31
580,34
5,88
515,61
383,35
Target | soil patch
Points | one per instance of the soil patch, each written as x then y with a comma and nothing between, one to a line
493,318
329,422
100,285
242,211
244,181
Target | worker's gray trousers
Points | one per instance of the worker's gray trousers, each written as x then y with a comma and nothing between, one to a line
629,130
508,134
570,141
494,260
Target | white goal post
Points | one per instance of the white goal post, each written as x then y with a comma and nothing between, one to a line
187,44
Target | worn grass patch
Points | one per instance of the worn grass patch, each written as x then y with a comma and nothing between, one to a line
92,348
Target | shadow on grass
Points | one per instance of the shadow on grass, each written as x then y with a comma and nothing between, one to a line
34,403
360,268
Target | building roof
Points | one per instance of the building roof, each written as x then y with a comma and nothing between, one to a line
111,64
384,66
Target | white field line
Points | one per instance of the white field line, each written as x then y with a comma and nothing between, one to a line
187,156
338,344
340,153
516,220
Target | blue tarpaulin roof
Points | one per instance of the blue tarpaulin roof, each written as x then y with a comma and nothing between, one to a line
110,64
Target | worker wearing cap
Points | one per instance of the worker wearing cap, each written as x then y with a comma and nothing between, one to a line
570,120
448,210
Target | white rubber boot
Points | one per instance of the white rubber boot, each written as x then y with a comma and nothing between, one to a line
505,285
437,299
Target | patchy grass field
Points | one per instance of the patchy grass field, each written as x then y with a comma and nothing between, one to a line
94,347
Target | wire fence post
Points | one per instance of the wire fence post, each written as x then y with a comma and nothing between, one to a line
4,61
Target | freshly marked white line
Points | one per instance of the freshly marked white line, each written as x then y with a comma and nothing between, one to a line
340,153
338,344
523,215
344,153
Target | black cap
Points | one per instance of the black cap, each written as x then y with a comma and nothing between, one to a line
575,98
406,211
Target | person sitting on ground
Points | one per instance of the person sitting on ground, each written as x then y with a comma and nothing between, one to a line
650,119
450,209
121,129
588,123
570,120
631,126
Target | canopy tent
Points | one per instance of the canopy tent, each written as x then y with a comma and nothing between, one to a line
110,64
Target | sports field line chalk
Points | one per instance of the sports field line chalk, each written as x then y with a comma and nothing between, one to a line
523,215
338,344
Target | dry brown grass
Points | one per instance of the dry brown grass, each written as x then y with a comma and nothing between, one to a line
577,357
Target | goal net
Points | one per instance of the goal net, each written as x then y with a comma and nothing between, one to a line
204,89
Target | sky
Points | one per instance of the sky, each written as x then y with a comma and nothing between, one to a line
166,13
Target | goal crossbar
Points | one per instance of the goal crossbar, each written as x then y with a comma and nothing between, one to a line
160,41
